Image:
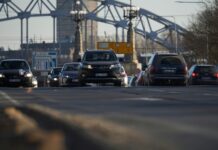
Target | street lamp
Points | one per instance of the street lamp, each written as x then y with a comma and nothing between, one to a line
207,38
78,15
130,13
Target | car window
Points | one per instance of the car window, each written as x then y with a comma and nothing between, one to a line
72,67
100,56
14,65
206,69
56,71
169,60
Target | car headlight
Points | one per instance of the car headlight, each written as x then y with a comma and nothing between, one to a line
34,82
66,76
118,69
1,75
87,66
115,66
55,79
29,74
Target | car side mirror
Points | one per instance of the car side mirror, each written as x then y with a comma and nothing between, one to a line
79,60
144,66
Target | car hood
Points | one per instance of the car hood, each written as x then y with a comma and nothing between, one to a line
70,72
14,71
100,63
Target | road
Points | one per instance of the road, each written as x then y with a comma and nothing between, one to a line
167,117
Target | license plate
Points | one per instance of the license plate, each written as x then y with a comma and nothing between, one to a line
75,80
101,74
205,78
169,71
14,80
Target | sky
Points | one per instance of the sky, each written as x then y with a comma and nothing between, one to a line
41,28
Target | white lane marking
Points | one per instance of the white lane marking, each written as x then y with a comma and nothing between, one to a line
144,99
7,97
209,94
156,90
174,92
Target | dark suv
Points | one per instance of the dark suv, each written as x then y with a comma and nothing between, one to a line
101,66
203,74
15,72
166,69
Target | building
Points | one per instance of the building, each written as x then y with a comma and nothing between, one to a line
66,25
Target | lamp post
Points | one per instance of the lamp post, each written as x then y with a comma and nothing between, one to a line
78,15
130,13
207,38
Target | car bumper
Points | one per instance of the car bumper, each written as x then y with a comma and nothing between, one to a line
200,81
170,77
102,80
70,81
53,83
100,77
15,82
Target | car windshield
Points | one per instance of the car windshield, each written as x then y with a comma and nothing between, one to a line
71,67
6,65
100,56
56,71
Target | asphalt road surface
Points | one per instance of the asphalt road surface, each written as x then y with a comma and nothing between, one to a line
167,117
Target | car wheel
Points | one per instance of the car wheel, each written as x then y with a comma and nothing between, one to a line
82,83
118,83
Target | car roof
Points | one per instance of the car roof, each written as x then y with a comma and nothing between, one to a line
99,50
72,63
56,67
204,65
167,54
14,60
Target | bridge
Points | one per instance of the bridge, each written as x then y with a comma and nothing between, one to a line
149,25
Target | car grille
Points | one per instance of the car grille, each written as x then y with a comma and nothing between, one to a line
102,67
12,75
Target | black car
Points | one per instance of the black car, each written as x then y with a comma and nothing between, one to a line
101,66
203,74
15,72
166,68
53,76
69,74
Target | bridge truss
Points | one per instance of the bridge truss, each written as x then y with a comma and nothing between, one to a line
151,26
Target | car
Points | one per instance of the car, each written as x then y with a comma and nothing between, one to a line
166,68
69,74
102,66
203,74
53,76
16,72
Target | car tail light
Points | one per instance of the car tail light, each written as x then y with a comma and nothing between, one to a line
152,69
216,75
185,70
194,74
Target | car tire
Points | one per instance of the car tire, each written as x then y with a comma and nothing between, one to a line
118,83
82,83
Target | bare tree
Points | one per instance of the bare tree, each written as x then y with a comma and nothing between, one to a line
202,38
